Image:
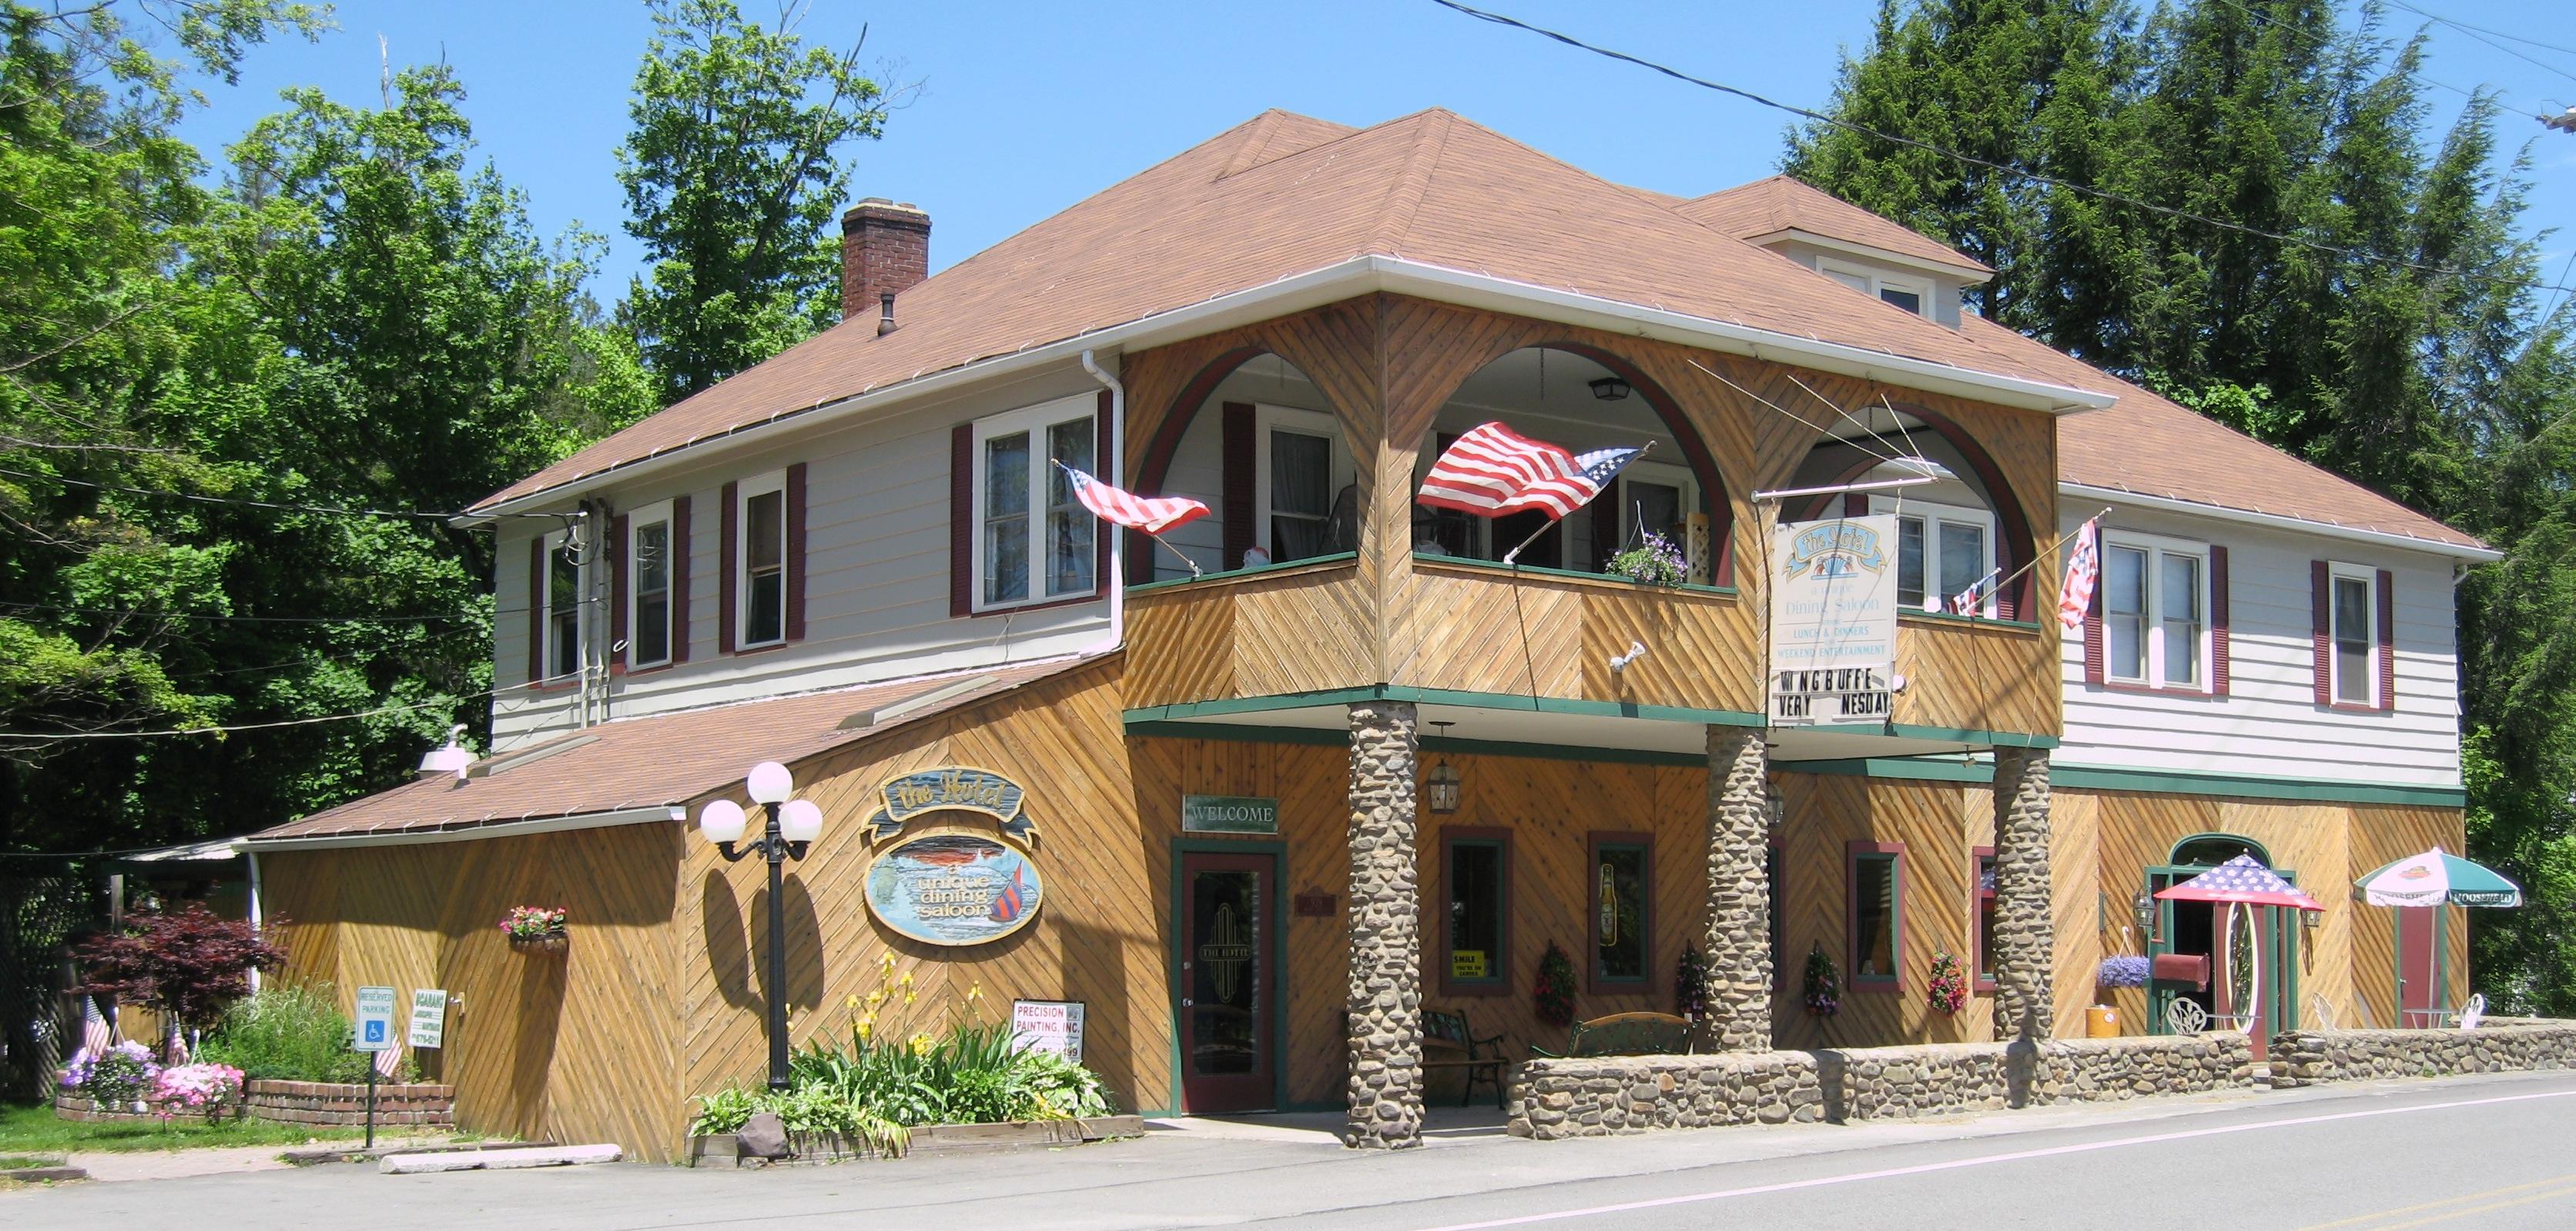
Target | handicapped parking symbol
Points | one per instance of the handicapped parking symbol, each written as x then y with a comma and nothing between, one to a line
375,1032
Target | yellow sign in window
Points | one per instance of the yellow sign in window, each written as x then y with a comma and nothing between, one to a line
1467,964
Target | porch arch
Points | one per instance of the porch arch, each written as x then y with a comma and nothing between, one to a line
1240,445
2208,850
2016,543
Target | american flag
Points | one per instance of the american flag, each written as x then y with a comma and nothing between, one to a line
2083,569
1493,470
96,1037
388,1062
1972,600
1151,514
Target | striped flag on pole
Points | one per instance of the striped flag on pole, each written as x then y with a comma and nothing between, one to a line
388,1062
2083,569
1493,470
1151,514
96,1038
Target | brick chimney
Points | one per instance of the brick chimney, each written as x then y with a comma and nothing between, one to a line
885,250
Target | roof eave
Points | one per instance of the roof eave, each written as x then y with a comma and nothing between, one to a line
1972,275
461,831
1342,280
2280,521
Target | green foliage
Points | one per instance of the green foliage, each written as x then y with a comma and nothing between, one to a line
1553,995
286,1032
733,185
876,1089
36,1130
724,1111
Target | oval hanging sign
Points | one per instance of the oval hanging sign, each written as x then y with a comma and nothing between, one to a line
954,888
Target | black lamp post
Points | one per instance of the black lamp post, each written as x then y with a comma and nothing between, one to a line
792,827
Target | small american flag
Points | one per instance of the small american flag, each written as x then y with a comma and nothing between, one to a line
388,1062
96,1037
1493,470
1971,601
2083,569
1151,514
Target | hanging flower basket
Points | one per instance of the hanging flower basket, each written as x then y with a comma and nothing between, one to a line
536,929
544,942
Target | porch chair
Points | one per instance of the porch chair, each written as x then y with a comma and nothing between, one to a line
1481,1059
1626,1034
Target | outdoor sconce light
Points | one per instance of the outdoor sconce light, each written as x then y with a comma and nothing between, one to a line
1440,786
2311,920
792,826
2146,907
1611,388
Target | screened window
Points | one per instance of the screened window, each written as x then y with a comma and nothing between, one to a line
563,606
2356,679
1876,898
648,586
1620,869
1941,550
2155,611
763,553
1298,481
1477,868
1034,541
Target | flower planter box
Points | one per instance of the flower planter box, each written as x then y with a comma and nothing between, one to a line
344,1104
548,944
721,1150
74,1107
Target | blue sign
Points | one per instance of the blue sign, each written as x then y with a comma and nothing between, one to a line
954,888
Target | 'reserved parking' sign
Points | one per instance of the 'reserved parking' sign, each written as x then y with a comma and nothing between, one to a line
375,1019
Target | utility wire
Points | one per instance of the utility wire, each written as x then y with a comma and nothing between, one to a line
217,618
444,703
2473,32
2449,21
2323,43
270,504
1972,160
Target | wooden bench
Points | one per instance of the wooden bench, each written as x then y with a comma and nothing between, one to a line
1627,1034
1447,1043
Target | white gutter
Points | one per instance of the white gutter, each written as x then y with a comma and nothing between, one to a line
1343,280
463,833
1116,581
2278,521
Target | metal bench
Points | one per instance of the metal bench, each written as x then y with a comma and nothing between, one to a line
1626,1034
1457,1047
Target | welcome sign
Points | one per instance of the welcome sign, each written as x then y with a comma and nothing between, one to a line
1833,621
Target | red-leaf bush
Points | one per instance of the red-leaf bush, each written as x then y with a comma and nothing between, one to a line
187,966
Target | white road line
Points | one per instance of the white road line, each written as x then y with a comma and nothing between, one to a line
1987,1160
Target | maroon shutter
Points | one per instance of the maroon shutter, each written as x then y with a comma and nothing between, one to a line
728,563
617,591
2096,660
1855,505
2217,621
961,521
2321,630
537,609
1100,461
680,546
1241,452
795,557
2387,642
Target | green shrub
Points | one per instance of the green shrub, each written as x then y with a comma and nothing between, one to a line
287,1032
1060,1089
724,1111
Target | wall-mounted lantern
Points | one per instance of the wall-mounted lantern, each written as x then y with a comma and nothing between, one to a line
1440,786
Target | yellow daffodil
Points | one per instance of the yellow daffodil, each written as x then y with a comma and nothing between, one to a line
907,996
886,963
876,997
867,1027
853,1001
907,978
921,1044
975,991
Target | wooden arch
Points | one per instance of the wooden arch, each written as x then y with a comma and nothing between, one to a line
2015,544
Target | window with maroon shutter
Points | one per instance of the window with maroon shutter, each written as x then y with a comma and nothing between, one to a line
2387,641
2320,634
2355,634
766,519
2218,616
728,536
1019,536
2157,616
961,520
644,608
794,559
1240,459
2096,661
681,545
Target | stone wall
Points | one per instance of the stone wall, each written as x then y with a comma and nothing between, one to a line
2307,1057
1635,1094
1384,1012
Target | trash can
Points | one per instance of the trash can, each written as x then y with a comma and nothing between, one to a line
2101,1022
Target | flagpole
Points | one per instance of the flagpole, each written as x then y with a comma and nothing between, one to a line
2036,557
1114,527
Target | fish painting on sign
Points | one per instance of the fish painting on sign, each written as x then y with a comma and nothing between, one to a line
954,888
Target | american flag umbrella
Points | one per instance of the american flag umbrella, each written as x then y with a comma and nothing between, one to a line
2240,880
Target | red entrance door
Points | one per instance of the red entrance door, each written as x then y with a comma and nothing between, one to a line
1228,986
2419,974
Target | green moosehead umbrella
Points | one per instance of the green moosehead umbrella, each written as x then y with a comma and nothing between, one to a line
2437,877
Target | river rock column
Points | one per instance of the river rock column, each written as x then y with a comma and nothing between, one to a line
1385,1017
2025,930
1739,891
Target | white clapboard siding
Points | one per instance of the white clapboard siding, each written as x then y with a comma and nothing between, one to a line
876,574
2269,726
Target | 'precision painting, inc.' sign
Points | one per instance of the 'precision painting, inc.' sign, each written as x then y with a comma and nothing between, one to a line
1229,814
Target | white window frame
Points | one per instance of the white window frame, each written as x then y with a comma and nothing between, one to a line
637,520
744,490
544,600
1932,514
1035,420
2152,636
2338,571
1339,471
1880,282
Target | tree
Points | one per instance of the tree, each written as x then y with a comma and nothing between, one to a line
186,966
732,183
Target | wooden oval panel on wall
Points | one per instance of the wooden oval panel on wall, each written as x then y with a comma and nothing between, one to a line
954,888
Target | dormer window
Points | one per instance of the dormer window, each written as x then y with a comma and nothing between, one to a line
1910,293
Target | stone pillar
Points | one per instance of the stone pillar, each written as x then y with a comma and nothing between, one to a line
1385,1017
1739,891
2025,931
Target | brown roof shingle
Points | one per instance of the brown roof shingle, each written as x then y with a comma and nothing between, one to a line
650,762
1779,203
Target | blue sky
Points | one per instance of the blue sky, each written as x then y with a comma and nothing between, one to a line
1029,107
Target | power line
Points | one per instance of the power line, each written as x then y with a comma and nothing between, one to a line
270,504
219,618
2323,43
2449,21
1971,159
2473,32
444,703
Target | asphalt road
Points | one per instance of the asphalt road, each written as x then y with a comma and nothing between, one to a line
2497,1154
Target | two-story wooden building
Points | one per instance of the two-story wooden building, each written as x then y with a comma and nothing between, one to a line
1321,761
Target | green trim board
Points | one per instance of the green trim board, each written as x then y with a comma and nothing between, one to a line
1430,743
1947,767
1255,570
1175,889
1442,696
1686,587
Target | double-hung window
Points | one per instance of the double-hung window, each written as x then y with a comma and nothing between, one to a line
648,585
2353,655
1476,881
761,590
2155,612
1984,894
562,601
1033,541
1912,294
1297,481
1622,873
1941,550
1877,888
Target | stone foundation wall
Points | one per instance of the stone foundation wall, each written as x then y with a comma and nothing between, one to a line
1635,1094
2307,1057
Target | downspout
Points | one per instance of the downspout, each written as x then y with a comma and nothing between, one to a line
1116,580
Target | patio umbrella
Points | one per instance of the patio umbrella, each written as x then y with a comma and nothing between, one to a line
2240,880
2434,878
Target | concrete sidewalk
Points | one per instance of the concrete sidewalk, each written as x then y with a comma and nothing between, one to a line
115,1166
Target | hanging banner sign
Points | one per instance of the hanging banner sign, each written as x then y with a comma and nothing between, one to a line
954,888
955,787
1229,814
1833,622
